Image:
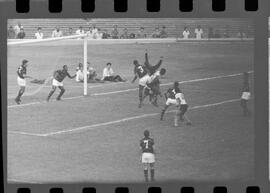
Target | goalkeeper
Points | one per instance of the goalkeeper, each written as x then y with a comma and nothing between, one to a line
58,77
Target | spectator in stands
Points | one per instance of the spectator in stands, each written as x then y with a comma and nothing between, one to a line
39,34
70,31
163,33
89,32
11,32
95,31
186,33
21,34
115,34
108,74
99,34
57,33
80,31
156,33
141,33
105,34
17,28
125,34
199,32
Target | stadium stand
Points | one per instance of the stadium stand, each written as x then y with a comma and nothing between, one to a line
174,26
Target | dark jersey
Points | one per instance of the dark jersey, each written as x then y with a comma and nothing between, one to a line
60,75
172,92
147,145
140,71
21,71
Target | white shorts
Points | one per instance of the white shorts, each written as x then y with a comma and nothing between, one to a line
245,95
144,80
21,82
148,158
57,83
171,102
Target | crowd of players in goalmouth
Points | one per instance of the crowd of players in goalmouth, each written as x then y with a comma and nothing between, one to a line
149,86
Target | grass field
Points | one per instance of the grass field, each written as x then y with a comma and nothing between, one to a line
96,138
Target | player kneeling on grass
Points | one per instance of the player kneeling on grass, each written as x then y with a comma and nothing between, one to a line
58,77
152,87
21,72
170,98
182,109
245,95
148,156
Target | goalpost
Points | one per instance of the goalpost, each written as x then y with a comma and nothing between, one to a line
84,36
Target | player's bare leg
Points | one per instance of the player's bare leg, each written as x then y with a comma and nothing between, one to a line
145,171
163,112
20,93
51,92
152,172
61,92
176,118
243,104
141,90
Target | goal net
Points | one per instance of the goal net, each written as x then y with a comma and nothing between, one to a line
45,56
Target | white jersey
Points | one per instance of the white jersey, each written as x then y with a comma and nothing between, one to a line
181,97
185,34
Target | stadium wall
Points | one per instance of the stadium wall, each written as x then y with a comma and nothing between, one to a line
174,26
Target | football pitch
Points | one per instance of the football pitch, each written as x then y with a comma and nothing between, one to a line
95,138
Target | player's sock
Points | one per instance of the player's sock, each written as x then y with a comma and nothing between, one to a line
146,175
162,114
176,120
152,174
50,94
60,95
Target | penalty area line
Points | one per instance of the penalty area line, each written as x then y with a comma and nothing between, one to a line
89,127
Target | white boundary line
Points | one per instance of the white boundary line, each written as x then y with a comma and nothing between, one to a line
89,127
132,89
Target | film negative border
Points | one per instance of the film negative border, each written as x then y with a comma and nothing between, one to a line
55,6
103,8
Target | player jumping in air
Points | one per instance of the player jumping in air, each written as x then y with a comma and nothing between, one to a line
148,156
245,94
140,72
170,98
21,72
151,69
58,77
182,109
143,72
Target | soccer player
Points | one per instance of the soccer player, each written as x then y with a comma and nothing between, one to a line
245,94
182,109
152,87
140,72
148,156
170,98
152,69
21,72
58,77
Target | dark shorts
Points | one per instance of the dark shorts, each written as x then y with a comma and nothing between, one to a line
183,109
